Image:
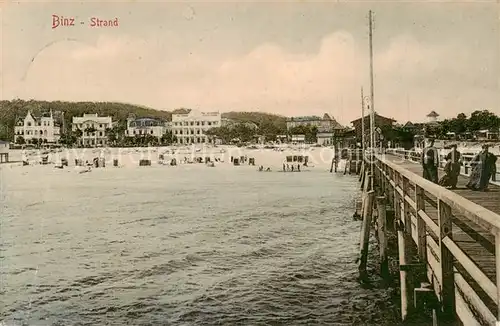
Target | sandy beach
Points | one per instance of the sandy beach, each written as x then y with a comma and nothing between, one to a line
319,157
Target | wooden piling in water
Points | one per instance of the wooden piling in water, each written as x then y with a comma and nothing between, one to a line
404,277
365,188
382,236
365,232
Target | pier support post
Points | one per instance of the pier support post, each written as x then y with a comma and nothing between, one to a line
362,173
421,228
390,188
382,236
365,189
406,207
404,241
446,262
362,178
365,233
404,273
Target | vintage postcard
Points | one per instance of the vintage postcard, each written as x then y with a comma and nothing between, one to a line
249,163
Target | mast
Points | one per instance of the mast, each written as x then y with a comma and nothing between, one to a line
362,121
372,112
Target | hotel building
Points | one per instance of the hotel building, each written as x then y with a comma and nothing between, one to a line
189,126
93,129
43,127
146,126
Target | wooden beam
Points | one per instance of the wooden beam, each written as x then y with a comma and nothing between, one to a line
421,228
446,263
382,236
365,233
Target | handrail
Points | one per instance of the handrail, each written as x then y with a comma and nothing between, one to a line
409,192
464,206
415,157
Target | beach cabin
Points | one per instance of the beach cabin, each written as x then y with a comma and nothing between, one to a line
297,159
298,139
4,151
281,138
485,135
325,138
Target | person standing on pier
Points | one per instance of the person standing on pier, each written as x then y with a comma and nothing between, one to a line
484,166
453,170
430,162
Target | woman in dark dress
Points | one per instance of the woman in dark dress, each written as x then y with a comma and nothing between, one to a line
484,166
452,169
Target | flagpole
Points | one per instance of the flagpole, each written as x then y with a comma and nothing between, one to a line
372,106
362,121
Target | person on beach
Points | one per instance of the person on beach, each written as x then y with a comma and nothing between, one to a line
451,169
483,167
430,162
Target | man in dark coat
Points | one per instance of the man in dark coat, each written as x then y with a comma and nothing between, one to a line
430,162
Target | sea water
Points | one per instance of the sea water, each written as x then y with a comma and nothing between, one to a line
184,245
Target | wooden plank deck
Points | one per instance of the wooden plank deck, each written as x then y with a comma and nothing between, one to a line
475,242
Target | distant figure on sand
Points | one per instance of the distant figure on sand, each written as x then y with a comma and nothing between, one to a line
451,169
430,162
483,167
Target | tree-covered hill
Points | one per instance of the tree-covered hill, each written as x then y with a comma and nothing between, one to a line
11,110
268,123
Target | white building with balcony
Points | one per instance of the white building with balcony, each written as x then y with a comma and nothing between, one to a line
34,128
93,129
146,126
190,126
4,151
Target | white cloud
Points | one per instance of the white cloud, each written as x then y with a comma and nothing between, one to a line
269,78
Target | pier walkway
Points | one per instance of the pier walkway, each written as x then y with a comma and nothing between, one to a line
456,233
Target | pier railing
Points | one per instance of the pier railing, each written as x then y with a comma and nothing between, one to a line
465,170
458,244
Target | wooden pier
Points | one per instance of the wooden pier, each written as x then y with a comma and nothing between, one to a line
456,235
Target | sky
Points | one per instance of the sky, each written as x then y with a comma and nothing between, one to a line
289,58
